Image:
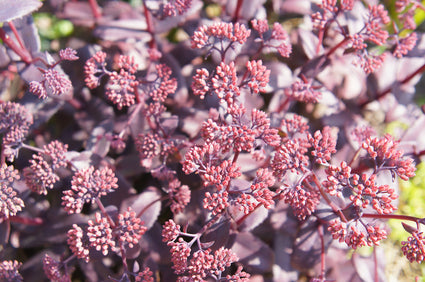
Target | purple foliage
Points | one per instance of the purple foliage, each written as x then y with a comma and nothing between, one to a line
199,141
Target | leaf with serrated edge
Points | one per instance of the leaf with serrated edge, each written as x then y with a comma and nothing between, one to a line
10,10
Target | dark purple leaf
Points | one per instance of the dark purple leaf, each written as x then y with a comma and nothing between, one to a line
283,220
133,253
254,219
408,228
309,43
79,13
192,122
255,255
53,230
307,247
282,270
302,7
366,266
338,266
4,232
120,30
316,65
247,163
280,76
98,143
28,33
10,10
79,160
169,124
4,59
146,202
247,10
137,125
216,236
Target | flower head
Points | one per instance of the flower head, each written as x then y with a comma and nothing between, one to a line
68,54
78,242
15,121
41,174
94,69
414,247
55,270
100,234
10,203
122,86
86,186
357,233
130,228
9,271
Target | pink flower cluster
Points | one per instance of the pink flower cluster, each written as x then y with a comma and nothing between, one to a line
122,86
303,90
276,39
176,7
55,270
87,185
54,82
105,235
200,264
356,233
15,121
94,69
10,203
302,199
223,83
41,175
386,155
206,36
9,271
414,247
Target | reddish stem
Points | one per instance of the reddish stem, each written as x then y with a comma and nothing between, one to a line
75,103
326,198
26,220
242,219
383,93
150,204
322,254
21,52
15,32
3,156
283,105
237,11
105,213
375,261
149,24
95,9
235,158
336,47
356,155
123,256
392,216
420,153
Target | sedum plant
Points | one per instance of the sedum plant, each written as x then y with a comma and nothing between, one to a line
209,141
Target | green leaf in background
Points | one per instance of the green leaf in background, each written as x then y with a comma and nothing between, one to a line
51,28
412,202
420,15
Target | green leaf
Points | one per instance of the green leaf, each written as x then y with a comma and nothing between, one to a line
51,27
